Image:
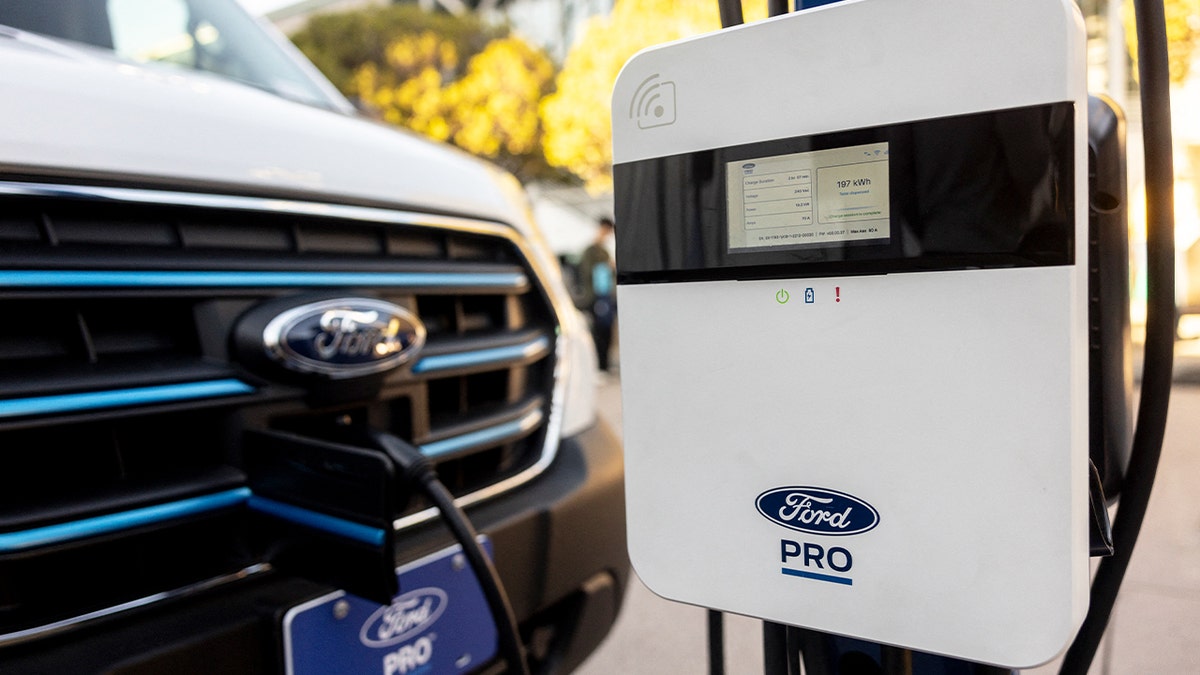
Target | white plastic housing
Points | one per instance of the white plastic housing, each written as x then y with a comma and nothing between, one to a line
954,403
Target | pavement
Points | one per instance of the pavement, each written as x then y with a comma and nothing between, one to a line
1155,627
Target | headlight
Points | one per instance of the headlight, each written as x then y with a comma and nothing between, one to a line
579,404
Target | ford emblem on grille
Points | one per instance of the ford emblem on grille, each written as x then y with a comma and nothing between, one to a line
344,337
817,510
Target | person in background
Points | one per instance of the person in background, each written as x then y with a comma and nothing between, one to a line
597,280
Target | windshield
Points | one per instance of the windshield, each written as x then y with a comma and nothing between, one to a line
215,36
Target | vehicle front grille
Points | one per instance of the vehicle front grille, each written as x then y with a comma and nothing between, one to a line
123,402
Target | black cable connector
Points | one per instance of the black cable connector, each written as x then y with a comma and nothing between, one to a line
419,472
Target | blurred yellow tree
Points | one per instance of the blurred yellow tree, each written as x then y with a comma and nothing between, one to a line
490,109
577,117
494,107
1183,34
453,79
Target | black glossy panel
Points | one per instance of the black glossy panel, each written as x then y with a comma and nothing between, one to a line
984,190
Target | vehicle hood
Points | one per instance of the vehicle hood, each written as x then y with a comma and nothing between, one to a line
75,111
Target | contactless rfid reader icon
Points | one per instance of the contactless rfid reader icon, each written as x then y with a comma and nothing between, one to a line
653,104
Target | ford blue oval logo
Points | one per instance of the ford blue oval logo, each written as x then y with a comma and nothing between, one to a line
817,510
344,337
408,616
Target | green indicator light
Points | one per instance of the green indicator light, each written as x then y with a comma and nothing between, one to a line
782,297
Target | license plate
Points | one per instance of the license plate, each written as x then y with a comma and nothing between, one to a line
440,623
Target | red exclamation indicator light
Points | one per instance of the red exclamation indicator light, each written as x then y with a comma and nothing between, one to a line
837,293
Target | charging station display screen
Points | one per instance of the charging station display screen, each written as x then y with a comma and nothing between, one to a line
809,198
983,190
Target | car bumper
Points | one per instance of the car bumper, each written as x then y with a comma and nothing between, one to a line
558,544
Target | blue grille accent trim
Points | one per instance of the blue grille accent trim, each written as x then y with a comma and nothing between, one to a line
487,436
45,405
218,279
431,364
366,534
89,527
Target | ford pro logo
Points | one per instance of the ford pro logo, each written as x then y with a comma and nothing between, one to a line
817,510
408,616
344,337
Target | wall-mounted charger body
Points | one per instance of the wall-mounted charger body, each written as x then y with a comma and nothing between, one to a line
852,290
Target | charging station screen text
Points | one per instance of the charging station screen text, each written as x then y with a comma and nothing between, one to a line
809,198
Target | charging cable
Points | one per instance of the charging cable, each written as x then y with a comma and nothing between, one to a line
1160,332
419,472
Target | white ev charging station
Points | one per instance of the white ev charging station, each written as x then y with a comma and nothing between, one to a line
851,249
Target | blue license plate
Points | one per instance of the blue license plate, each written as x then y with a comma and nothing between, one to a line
440,623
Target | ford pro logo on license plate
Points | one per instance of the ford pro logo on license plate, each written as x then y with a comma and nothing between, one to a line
441,623
409,614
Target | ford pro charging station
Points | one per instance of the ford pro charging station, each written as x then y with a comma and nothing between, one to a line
852,278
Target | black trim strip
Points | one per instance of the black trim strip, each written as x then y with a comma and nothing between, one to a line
988,190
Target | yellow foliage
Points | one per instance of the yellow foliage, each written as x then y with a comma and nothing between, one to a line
1183,34
490,109
577,117
412,54
496,101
